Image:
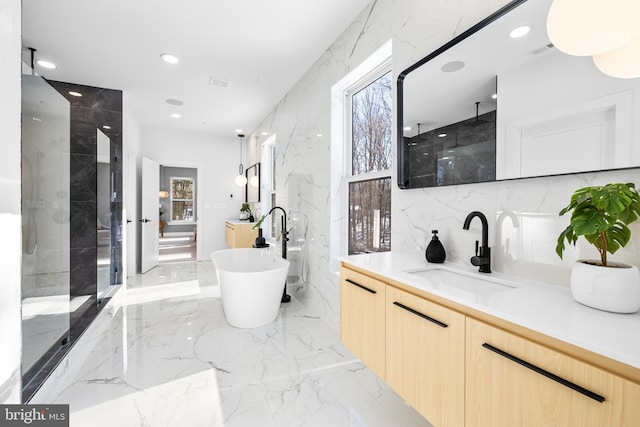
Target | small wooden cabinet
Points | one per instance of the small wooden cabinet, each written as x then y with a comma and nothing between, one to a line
362,320
240,235
425,356
513,381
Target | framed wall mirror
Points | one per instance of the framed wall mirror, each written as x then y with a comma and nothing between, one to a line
488,106
252,189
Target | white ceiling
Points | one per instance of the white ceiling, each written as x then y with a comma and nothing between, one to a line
262,47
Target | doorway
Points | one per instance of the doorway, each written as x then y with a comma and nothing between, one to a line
178,214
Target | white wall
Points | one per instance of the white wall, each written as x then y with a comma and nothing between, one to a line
217,161
416,27
131,147
10,252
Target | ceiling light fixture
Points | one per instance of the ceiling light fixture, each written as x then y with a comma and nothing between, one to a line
46,64
522,31
169,58
74,93
607,31
241,180
176,115
106,127
442,135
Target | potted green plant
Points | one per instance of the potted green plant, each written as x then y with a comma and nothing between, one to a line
601,214
245,211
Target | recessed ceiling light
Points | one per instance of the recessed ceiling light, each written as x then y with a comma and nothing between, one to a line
239,131
46,64
73,93
265,133
520,31
106,127
494,96
169,58
452,66
176,115
407,128
442,135
175,102
319,135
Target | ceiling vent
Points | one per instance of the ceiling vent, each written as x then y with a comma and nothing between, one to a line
219,82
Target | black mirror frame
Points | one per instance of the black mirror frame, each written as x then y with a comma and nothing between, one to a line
246,189
400,81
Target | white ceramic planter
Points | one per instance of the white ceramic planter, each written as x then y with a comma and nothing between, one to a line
615,289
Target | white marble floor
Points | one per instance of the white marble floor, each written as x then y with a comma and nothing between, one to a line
164,355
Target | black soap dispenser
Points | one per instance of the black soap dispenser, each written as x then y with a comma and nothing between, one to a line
435,250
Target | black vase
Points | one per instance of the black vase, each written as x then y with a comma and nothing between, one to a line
260,242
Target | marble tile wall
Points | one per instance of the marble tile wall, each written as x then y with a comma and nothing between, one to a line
303,180
96,108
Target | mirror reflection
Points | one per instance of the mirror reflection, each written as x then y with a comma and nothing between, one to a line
253,183
503,105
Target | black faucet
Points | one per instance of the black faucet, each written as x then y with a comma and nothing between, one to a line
482,259
285,239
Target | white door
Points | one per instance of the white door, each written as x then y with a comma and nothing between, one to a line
130,214
150,214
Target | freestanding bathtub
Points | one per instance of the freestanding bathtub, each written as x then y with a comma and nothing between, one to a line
251,285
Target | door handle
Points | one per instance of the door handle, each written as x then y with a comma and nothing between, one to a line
145,220
128,221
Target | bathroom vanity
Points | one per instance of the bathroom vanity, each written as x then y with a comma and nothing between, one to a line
472,349
240,234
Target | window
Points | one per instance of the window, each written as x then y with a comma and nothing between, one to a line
182,199
268,183
369,183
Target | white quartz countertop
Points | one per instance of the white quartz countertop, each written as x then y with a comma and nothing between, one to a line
239,221
544,308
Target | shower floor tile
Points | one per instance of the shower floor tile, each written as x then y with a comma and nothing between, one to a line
167,357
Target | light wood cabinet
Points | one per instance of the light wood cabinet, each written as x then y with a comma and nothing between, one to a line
512,381
425,356
362,320
241,235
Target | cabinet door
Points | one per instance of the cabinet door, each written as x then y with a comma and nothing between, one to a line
425,356
231,235
512,381
362,318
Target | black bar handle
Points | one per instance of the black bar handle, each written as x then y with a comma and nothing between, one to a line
360,286
546,373
424,316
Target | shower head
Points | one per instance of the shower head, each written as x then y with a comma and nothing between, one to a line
477,121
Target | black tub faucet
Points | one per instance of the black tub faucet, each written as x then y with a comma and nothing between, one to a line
482,259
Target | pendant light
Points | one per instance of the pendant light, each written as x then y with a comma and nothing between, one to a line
241,180
607,31
163,194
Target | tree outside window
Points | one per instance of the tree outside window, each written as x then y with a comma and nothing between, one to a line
370,181
182,197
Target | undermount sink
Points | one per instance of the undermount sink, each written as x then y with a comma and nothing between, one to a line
466,285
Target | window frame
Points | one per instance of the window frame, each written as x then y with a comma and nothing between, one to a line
172,199
374,74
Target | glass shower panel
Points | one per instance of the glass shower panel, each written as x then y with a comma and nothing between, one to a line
45,223
104,213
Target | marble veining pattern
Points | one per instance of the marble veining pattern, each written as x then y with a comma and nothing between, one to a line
162,354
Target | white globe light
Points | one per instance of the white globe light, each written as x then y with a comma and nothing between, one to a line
241,180
592,27
623,63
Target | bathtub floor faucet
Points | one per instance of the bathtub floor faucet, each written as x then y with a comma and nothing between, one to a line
285,239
